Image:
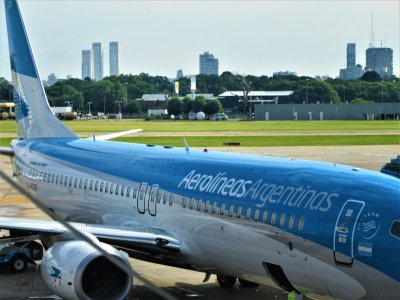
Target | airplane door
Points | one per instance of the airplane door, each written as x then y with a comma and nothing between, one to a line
152,200
141,198
343,242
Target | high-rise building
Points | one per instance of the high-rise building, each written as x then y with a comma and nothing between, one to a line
179,73
87,64
97,61
208,64
380,60
114,59
351,61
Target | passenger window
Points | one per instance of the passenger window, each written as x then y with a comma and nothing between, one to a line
70,181
66,180
128,191
200,205
231,209
256,214
61,179
57,179
184,200
49,177
159,193
395,230
164,201
91,185
41,176
76,182
101,186
239,212
86,184
248,213
193,204
111,188
80,182
222,210
291,222
106,188
171,199
282,220
96,185
122,190
273,218
301,224
265,216
135,191
116,189
207,207
214,207
45,177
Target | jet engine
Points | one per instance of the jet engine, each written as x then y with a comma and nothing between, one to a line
75,270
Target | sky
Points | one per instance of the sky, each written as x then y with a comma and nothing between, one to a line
248,37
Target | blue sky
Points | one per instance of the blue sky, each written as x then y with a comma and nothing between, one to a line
248,37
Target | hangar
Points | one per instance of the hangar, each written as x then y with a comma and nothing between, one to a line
324,111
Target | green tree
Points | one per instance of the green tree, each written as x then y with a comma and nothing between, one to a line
361,101
212,107
371,76
198,104
186,105
5,88
174,106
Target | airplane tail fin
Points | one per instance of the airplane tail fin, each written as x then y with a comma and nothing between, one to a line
32,111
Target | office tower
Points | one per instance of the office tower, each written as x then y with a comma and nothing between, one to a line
97,61
179,74
208,64
380,60
351,61
87,64
114,59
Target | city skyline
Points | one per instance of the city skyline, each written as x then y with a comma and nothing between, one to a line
255,37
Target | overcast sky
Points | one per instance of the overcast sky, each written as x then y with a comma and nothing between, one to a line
248,37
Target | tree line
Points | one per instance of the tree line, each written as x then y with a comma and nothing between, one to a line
105,94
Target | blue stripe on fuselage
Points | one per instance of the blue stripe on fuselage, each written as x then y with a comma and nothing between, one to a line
174,170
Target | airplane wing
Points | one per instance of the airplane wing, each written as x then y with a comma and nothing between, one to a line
144,239
110,136
6,151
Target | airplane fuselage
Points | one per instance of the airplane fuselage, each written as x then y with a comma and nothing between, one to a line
326,226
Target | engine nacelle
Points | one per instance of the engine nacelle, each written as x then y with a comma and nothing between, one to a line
75,270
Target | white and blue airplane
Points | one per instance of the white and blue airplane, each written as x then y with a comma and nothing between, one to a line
308,226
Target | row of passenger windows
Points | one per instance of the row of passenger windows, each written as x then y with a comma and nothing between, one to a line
259,215
165,197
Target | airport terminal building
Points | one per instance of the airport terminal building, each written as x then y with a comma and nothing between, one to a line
342,111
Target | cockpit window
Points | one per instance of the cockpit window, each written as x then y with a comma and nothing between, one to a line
395,230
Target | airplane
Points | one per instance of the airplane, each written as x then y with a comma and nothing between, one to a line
308,226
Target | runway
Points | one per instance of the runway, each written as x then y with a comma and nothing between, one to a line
181,283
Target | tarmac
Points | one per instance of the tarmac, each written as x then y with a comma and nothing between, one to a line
181,284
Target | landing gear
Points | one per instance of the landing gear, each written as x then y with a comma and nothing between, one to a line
225,281
248,284
18,263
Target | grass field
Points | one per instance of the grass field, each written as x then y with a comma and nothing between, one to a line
218,126
259,141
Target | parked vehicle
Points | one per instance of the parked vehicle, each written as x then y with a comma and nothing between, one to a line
18,255
220,116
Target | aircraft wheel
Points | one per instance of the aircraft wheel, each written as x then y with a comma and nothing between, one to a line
248,284
225,281
18,264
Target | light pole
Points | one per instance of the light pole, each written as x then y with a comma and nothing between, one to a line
119,108
69,103
126,92
307,92
89,107
382,100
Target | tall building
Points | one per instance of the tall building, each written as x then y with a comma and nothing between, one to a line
352,70
208,64
114,59
179,73
97,61
380,60
87,64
